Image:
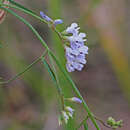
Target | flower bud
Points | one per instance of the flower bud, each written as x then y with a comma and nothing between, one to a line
119,123
65,116
60,120
58,21
69,111
74,99
114,124
44,16
111,121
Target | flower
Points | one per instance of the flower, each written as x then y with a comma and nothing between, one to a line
44,16
65,116
58,21
75,53
70,111
67,113
75,99
73,29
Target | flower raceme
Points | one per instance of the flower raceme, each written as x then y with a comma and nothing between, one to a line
76,51
68,112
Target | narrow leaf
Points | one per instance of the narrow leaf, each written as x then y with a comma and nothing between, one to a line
49,70
53,76
19,5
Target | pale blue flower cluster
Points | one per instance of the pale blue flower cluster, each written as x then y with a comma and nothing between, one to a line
68,111
75,53
67,114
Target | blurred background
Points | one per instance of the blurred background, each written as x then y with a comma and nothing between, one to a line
31,101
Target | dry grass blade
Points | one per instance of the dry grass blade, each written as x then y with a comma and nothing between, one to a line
2,12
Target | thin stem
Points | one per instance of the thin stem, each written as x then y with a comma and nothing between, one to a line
19,5
53,67
25,70
58,83
25,10
82,123
85,126
102,122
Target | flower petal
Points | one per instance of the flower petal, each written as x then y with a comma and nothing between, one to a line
83,49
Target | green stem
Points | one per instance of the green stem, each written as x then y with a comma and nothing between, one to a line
57,80
26,69
82,123
19,5
102,122
85,126
25,11
58,83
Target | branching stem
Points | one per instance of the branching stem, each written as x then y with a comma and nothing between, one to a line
102,122
83,121
25,70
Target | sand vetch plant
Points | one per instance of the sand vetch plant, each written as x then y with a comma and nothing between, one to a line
75,52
